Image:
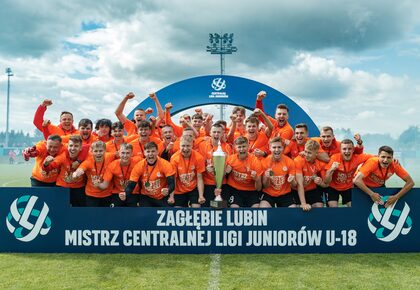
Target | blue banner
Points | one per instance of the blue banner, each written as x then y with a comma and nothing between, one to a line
41,220
236,91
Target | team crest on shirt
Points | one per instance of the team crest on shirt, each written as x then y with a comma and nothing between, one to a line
284,168
96,179
239,176
277,181
158,174
186,178
49,173
342,177
153,186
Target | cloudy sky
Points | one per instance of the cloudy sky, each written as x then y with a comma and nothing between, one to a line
351,64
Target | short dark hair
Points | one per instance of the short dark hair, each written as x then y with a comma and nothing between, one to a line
54,138
386,149
150,145
347,141
85,122
239,108
327,128
252,119
103,122
66,112
197,116
282,106
117,125
76,139
240,140
302,125
144,124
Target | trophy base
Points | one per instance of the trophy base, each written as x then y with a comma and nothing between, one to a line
218,204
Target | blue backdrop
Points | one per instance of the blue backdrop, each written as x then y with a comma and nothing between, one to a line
216,89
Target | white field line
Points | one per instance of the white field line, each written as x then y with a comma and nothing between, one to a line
10,182
214,274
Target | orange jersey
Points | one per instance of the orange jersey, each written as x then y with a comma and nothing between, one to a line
65,178
206,149
342,178
37,171
152,177
376,176
309,171
112,146
187,170
293,149
334,148
120,175
285,132
95,174
130,127
240,177
261,142
138,147
278,179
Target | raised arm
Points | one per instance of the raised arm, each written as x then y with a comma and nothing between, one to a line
119,110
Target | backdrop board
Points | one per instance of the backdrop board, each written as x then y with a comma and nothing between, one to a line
41,220
237,91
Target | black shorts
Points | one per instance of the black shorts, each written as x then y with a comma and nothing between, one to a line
285,200
187,198
313,196
333,195
295,196
147,201
36,183
244,198
131,200
209,193
92,201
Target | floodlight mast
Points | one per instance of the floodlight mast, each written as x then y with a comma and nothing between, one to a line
221,44
9,74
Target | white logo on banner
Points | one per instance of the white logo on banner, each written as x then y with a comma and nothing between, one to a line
218,84
26,222
388,223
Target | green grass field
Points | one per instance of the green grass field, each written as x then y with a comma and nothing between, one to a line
128,271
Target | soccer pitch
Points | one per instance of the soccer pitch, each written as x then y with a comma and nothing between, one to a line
167,271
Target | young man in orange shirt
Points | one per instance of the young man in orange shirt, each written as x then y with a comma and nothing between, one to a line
258,139
244,172
139,114
329,145
281,125
144,137
296,146
155,177
375,172
279,175
117,175
85,131
64,128
340,173
206,149
94,167
189,166
309,173
51,147
67,162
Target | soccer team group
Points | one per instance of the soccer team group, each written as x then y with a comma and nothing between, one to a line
153,162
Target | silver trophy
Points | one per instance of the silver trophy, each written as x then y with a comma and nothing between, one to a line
219,160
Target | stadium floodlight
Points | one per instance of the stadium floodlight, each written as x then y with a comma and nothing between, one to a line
221,44
9,74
